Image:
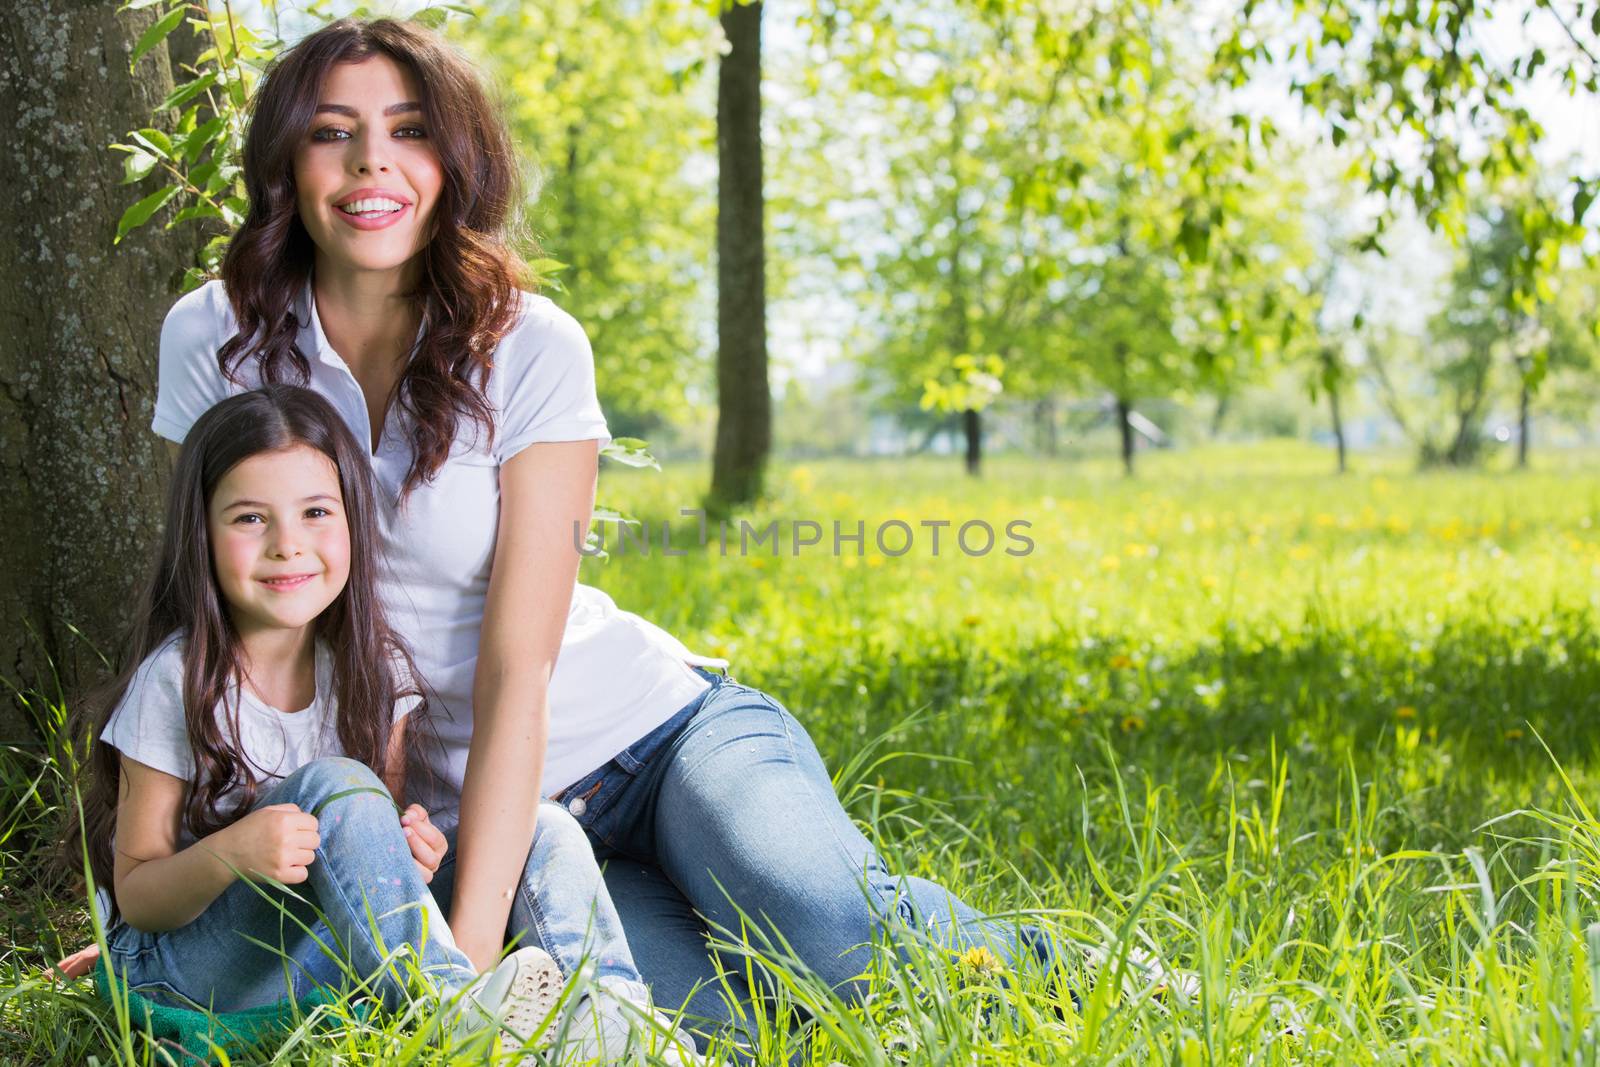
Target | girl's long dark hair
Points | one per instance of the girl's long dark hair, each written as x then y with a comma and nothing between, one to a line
468,290
371,665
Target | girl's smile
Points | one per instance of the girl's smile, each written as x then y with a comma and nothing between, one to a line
279,540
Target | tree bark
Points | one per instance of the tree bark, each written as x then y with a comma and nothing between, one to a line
1124,409
972,425
81,474
744,399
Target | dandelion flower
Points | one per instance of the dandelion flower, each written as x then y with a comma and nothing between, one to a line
1513,734
1120,662
1132,723
979,962
1405,711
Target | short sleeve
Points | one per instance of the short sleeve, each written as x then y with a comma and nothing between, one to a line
189,379
547,382
148,724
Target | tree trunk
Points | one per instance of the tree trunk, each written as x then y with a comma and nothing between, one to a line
1124,409
1219,414
972,424
1338,425
1045,420
1524,427
744,400
81,474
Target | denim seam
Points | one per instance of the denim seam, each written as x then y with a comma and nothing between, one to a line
541,928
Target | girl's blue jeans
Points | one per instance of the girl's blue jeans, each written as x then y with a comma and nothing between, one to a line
363,899
727,809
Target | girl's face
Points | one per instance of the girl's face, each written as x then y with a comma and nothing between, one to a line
279,541
366,175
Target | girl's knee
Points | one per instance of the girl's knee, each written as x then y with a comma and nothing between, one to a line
327,778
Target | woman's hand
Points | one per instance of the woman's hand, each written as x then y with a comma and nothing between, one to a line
428,844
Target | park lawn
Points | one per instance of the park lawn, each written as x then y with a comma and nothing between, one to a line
1319,745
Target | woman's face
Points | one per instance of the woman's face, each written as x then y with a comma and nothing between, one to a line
367,178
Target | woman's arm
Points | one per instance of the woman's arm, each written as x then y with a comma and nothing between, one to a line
544,490
159,887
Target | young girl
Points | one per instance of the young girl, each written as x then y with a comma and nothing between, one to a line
250,739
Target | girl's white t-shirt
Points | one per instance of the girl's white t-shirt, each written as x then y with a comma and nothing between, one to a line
148,724
617,677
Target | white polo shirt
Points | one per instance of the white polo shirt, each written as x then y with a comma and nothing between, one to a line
617,676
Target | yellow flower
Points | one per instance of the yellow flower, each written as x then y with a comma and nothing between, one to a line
1405,711
1513,734
972,620
1131,723
1120,662
1109,562
979,962
1208,581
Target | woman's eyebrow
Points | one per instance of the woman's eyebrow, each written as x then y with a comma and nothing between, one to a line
393,109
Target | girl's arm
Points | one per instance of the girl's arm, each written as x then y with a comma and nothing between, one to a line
159,887
546,492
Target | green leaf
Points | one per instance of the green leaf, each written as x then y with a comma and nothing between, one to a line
156,34
137,5
159,144
137,166
234,209
197,142
201,210
140,213
630,452
201,175
188,91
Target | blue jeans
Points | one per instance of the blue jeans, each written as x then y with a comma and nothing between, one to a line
363,899
561,903
727,808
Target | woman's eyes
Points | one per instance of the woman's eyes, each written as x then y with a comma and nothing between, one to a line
338,133
317,513
248,518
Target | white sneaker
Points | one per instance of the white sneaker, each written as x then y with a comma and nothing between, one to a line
516,998
615,1021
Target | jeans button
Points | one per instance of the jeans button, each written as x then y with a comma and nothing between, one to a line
577,805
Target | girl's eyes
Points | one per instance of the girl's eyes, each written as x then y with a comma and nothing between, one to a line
251,518
339,133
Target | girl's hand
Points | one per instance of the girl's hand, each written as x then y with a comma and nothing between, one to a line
278,841
428,845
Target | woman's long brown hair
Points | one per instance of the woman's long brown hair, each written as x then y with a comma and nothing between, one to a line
371,665
467,294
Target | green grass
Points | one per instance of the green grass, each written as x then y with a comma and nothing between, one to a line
1323,745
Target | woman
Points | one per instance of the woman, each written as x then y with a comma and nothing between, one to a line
373,268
